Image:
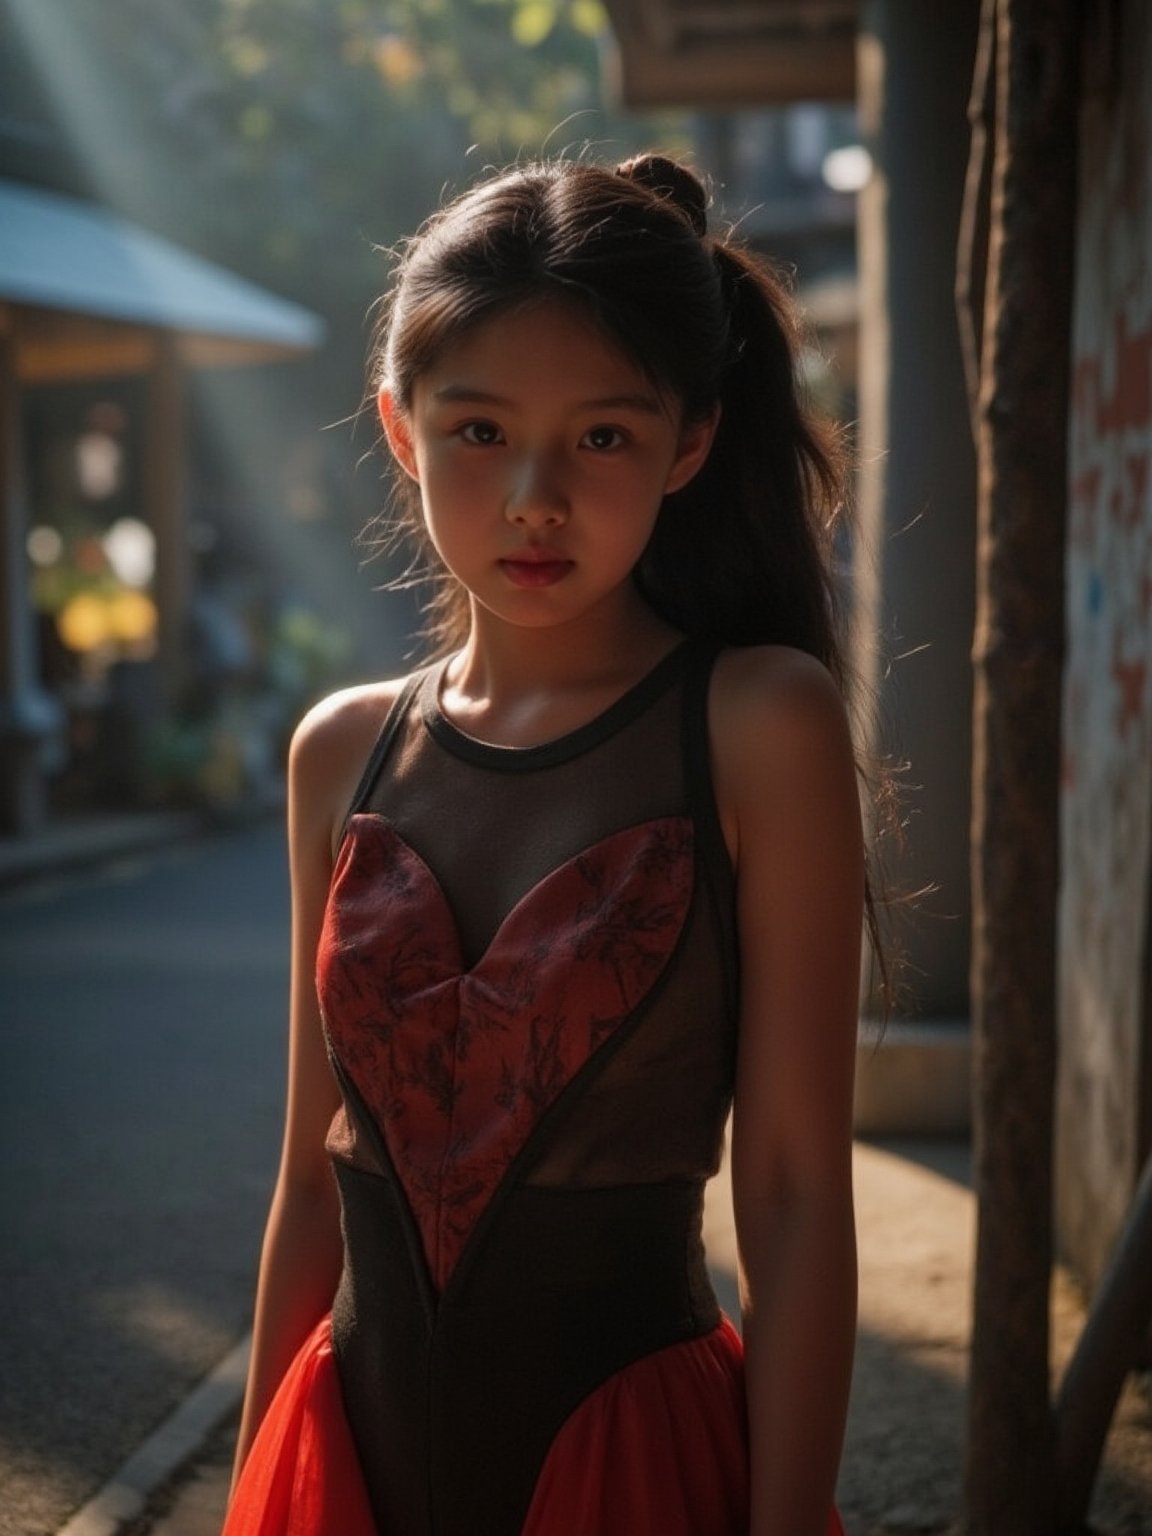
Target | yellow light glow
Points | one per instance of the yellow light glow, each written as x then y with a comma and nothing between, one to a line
397,61
131,617
82,623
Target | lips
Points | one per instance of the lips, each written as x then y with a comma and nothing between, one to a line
535,568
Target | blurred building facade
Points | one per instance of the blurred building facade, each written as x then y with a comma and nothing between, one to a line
1105,938
105,620
785,177
908,68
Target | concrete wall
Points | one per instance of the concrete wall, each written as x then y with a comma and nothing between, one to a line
1107,780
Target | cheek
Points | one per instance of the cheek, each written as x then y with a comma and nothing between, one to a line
442,489
454,477
448,538
452,503
631,499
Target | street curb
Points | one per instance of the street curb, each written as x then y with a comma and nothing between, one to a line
67,848
126,1493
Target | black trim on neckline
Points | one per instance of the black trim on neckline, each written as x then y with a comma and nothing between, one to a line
383,744
548,754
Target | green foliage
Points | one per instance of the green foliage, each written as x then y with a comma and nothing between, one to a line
291,139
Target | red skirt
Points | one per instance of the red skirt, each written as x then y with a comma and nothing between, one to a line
658,1450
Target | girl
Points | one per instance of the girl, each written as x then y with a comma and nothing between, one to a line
602,874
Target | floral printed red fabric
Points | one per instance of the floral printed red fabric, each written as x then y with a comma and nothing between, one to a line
457,1065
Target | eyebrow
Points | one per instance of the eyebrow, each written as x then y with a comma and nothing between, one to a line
465,394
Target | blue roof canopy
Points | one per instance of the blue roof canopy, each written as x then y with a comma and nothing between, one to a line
59,253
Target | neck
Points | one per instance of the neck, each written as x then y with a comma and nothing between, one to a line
519,686
498,658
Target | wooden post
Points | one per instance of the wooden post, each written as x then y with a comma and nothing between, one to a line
31,721
164,481
1018,656
972,252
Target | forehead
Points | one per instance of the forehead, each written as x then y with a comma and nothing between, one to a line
545,346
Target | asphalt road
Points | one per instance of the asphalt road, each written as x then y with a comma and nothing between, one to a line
142,1029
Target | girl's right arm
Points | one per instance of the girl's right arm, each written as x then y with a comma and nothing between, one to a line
301,1257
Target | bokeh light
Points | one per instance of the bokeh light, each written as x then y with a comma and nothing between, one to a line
82,623
44,545
130,546
848,169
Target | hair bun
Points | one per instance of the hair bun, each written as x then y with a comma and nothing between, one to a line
676,183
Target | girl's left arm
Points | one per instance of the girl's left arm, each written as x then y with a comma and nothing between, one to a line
787,790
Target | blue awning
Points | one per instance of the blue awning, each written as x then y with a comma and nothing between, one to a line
62,254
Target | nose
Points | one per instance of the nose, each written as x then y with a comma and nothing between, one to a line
537,497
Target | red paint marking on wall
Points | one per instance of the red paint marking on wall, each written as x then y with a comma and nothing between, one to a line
1129,677
1137,467
1084,497
1130,403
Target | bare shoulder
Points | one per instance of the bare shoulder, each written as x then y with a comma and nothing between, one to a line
780,734
774,701
344,722
330,748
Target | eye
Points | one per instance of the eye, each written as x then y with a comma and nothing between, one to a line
482,434
603,438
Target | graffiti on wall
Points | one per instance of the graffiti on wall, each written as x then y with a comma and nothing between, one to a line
1106,801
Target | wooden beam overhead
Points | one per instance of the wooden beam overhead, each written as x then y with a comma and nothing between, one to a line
679,19
53,347
733,53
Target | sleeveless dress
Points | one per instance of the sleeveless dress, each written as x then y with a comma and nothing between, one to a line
527,975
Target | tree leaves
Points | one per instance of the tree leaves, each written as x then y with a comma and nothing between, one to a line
291,138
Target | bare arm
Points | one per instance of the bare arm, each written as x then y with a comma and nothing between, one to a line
301,1257
787,786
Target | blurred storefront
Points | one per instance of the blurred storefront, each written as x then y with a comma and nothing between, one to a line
102,620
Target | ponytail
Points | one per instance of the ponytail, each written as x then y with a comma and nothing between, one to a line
742,554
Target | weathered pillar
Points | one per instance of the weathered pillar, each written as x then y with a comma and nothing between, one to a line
1104,1083
914,569
1018,654
30,719
917,481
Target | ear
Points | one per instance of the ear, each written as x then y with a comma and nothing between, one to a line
398,431
696,438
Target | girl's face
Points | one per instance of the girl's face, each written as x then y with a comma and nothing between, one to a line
542,454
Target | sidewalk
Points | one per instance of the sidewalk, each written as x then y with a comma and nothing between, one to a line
72,843
902,1469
